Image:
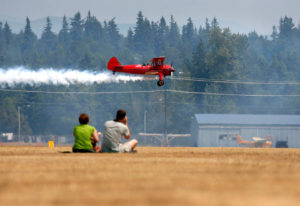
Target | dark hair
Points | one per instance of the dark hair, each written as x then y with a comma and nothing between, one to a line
120,115
84,118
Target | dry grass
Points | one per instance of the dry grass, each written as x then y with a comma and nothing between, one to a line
153,176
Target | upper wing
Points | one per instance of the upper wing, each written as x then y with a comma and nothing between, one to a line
158,61
259,139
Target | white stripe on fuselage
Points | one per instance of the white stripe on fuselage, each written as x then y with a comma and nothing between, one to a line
151,73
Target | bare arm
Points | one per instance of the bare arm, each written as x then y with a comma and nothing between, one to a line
128,136
95,137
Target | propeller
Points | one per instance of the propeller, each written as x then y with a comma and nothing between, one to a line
173,70
172,73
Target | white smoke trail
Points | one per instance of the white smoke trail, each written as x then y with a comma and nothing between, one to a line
22,75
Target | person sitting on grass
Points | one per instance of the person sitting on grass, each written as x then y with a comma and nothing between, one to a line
114,130
86,136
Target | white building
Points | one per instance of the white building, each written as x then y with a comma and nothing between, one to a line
215,130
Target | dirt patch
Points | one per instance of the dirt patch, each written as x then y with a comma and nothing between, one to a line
153,176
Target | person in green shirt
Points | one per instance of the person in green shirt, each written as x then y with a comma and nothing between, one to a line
86,136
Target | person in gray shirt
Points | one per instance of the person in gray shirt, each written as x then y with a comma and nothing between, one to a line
113,132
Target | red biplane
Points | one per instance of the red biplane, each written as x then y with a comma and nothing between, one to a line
156,67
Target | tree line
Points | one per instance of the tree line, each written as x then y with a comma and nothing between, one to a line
203,53
208,51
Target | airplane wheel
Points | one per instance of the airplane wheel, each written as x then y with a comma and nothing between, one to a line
160,83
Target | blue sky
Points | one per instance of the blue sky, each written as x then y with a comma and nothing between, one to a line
240,15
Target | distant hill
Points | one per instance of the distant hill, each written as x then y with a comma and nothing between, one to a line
17,24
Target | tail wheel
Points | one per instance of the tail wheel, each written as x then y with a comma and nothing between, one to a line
160,83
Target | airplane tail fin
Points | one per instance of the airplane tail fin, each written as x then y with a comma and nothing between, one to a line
113,62
239,139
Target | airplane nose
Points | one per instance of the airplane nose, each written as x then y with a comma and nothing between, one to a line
172,70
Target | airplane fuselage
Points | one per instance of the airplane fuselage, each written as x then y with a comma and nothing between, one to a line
146,70
156,67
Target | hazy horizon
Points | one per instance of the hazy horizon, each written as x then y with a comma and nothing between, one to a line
240,16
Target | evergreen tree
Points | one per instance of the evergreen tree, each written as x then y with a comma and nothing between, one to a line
214,23
76,27
140,33
63,35
163,28
29,38
160,42
148,37
114,36
8,120
274,34
198,61
188,39
130,39
188,32
1,46
48,38
174,34
93,28
207,25
64,40
88,25
28,45
286,27
7,35
157,38
203,33
77,47
11,52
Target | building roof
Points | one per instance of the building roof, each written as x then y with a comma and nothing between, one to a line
247,119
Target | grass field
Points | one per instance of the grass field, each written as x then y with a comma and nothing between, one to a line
153,176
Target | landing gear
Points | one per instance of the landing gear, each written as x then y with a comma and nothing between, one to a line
160,83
